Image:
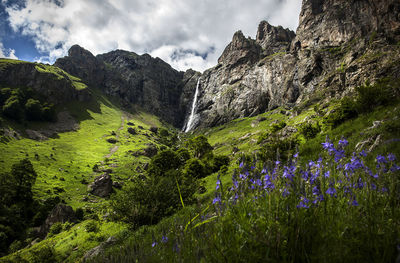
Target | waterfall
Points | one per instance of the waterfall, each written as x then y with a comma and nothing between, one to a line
192,114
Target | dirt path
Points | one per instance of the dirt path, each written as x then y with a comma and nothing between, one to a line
116,147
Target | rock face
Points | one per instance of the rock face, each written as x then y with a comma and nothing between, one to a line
102,185
53,84
60,213
338,46
147,82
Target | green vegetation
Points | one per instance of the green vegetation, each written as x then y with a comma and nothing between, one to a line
23,103
216,195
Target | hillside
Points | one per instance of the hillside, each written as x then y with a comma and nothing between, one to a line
291,154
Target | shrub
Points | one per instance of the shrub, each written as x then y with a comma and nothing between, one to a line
92,226
194,168
199,146
33,110
218,161
346,111
45,254
12,108
278,126
369,96
55,229
164,161
277,149
146,202
309,130
49,113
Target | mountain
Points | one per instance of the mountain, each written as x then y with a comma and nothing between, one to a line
337,46
147,82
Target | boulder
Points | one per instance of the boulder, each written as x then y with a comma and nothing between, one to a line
132,131
150,150
102,186
60,213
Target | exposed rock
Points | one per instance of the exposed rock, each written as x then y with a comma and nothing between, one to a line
154,129
102,186
377,142
142,80
117,185
96,251
132,131
273,39
338,46
150,150
112,140
60,213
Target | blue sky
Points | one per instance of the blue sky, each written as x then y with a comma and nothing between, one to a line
23,45
184,33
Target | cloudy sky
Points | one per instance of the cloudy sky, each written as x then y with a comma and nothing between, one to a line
184,33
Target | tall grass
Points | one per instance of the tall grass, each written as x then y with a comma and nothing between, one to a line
333,209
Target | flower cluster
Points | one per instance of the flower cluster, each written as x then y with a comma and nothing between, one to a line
333,175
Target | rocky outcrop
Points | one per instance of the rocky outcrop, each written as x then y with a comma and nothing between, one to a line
81,63
338,46
273,39
51,83
102,185
60,213
334,22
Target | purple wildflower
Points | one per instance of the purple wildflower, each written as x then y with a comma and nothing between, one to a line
354,202
285,192
343,142
241,165
217,199
331,191
164,239
218,184
327,174
303,203
391,157
381,159
363,153
154,244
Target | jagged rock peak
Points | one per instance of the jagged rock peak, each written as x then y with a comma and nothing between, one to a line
241,50
334,22
78,51
273,37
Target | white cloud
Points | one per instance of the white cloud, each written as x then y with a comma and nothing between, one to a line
180,32
7,52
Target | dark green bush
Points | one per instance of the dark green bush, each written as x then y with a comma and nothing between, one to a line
218,161
12,108
45,254
33,110
146,202
164,161
346,111
277,149
309,130
92,226
382,93
199,146
278,126
195,168
55,229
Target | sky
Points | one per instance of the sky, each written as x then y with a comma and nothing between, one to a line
184,33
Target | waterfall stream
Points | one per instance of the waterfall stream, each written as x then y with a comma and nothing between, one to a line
192,113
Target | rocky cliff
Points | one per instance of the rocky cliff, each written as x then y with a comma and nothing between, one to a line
53,84
338,46
140,80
